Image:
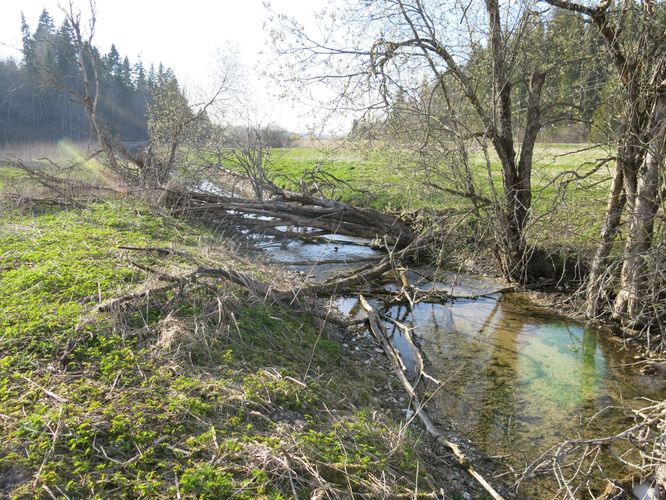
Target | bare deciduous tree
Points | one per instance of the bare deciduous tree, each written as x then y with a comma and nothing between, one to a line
395,44
171,119
245,148
635,37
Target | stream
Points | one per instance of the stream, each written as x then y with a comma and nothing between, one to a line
517,381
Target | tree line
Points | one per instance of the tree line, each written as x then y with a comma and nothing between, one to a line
36,96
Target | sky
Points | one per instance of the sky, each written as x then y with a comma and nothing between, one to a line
184,35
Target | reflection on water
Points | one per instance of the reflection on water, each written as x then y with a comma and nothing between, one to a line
521,382
338,247
516,381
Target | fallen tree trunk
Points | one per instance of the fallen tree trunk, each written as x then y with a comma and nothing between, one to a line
295,209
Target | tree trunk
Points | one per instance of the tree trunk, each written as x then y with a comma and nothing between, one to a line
518,187
630,304
512,241
513,213
596,291
630,153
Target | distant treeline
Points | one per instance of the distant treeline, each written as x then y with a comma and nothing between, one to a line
38,93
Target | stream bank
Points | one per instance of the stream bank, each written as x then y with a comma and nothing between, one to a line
123,373
518,379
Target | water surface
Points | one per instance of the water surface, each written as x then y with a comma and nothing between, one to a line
517,380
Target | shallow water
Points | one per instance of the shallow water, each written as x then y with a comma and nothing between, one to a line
340,248
516,381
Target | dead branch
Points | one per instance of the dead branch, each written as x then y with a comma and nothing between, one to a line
572,459
366,274
380,334
160,250
117,302
348,219
256,287
328,261
407,335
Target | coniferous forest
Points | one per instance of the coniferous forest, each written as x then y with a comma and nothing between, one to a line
38,94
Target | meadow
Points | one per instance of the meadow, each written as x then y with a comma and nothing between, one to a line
569,191
116,380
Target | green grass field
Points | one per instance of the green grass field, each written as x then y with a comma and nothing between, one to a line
567,211
194,392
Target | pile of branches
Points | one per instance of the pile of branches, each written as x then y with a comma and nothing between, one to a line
50,183
311,216
641,447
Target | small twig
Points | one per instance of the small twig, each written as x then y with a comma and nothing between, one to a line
52,394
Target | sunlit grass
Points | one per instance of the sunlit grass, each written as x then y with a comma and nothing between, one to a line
192,391
567,211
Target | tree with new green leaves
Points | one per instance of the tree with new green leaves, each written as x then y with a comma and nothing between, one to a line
170,121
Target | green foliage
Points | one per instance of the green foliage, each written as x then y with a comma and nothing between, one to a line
352,442
206,481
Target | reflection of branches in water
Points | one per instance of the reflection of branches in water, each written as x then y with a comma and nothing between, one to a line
641,447
574,337
489,319
500,397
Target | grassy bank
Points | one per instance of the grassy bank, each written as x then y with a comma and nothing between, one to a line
194,389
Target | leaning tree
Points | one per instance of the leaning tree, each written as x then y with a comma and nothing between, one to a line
172,120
